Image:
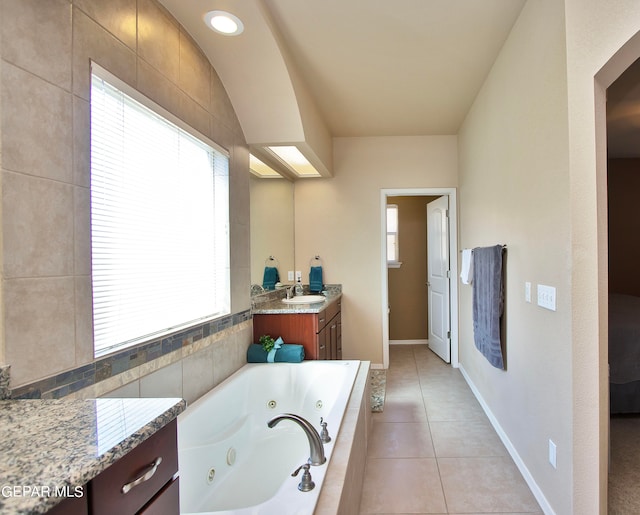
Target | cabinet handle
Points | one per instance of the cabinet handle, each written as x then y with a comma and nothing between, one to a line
144,477
321,320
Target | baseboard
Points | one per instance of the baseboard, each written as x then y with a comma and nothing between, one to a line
377,366
535,489
408,342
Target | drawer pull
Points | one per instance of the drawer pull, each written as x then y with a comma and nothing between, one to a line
144,477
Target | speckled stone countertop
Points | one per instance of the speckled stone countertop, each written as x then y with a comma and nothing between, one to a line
56,444
276,306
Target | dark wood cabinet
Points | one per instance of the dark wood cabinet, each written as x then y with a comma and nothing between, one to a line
319,333
136,478
142,482
71,506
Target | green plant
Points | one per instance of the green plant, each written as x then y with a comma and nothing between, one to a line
267,342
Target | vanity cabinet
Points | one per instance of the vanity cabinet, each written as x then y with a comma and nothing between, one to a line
319,333
71,506
141,479
148,472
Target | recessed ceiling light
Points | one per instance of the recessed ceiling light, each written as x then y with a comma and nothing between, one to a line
224,23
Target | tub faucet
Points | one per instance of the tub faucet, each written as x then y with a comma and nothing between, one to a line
316,448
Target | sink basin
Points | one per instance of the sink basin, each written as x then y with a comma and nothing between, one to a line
305,299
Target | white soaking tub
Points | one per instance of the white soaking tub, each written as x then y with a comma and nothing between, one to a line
230,461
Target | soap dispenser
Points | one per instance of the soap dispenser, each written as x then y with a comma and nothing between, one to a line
298,289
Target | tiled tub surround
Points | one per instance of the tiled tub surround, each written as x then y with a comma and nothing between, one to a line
45,177
343,484
5,391
66,443
213,352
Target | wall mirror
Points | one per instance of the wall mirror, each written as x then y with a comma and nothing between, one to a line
272,232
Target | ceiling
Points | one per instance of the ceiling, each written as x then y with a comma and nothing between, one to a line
402,67
374,67
305,71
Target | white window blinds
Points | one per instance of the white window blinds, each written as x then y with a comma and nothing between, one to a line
159,221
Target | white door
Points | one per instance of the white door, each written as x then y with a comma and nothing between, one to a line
438,273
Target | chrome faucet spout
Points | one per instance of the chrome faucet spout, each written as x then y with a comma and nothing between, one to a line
290,291
316,448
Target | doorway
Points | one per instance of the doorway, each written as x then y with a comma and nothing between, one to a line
623,189
387,198
605,80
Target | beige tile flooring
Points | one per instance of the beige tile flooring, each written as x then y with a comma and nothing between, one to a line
433,449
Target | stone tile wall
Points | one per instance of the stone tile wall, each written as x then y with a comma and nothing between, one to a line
46,49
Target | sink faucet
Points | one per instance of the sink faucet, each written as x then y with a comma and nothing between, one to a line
316,448
290,291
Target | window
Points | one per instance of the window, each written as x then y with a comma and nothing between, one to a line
159,220
393,247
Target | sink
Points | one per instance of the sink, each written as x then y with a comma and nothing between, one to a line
305,299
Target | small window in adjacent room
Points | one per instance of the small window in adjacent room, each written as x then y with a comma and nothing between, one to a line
159,220
393,256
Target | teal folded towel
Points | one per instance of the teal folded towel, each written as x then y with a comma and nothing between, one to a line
287,353
315,279
270,278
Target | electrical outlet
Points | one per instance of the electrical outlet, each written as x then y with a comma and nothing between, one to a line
290,275
298,275
547,297
552,453
527,291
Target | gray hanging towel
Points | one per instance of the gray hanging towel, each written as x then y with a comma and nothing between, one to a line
488,302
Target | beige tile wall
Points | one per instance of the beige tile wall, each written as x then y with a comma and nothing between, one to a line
189,372
45,50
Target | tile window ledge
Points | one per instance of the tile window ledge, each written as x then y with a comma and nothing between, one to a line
71,381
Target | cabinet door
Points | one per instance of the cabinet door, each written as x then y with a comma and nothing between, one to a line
339,336
145,471
333,338
71,506
321,344
296,328
167,502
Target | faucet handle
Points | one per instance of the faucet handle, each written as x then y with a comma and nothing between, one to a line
306,484
324,434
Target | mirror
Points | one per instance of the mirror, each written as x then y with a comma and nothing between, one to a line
271,226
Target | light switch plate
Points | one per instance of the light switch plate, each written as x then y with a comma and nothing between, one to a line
290,275
547,297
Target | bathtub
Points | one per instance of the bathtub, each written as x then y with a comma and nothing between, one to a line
230,461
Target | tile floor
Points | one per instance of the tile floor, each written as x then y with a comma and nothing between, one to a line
433,449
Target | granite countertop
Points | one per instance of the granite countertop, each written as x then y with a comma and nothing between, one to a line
53,445
276,306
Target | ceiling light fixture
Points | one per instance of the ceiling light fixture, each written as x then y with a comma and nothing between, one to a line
261,169
223,22
292,157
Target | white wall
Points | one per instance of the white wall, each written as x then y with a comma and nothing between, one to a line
514,186
339,219
596,31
